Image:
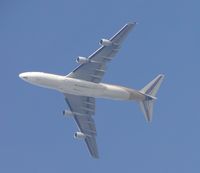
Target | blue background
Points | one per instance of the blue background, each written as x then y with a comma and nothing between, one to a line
47,36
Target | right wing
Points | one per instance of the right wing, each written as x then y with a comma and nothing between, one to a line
83,108
94,70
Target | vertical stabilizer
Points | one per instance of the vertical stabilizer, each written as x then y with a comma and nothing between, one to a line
150,91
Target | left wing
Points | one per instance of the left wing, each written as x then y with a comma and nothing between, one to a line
94,69
83,108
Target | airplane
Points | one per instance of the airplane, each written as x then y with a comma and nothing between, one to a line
83,85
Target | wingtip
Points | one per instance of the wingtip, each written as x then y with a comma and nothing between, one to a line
149,120
95,156
162,75
132,23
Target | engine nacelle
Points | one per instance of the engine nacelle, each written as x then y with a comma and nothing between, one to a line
79,135
105,42
82,60
67,113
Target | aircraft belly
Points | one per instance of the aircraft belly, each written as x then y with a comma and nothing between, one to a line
90,89
121,93
115,93
83,88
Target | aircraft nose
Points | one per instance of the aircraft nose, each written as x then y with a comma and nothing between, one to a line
23,76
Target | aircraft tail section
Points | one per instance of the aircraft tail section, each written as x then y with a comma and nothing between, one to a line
150,91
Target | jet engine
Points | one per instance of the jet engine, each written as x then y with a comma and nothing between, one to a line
105,42
82,60
67,113
79,135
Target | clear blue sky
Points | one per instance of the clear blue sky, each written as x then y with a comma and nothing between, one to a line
47,36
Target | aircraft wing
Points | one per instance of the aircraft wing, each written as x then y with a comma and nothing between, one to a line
83,108
94,70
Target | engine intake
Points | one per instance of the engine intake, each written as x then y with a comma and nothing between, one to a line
79,135
82,60
67,113
105,42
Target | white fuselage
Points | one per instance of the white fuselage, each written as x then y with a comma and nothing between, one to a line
68,85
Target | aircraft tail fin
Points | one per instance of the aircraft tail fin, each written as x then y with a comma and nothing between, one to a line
150,91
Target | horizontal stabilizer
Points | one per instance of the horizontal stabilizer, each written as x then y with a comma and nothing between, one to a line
152,87
150,91
147,109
